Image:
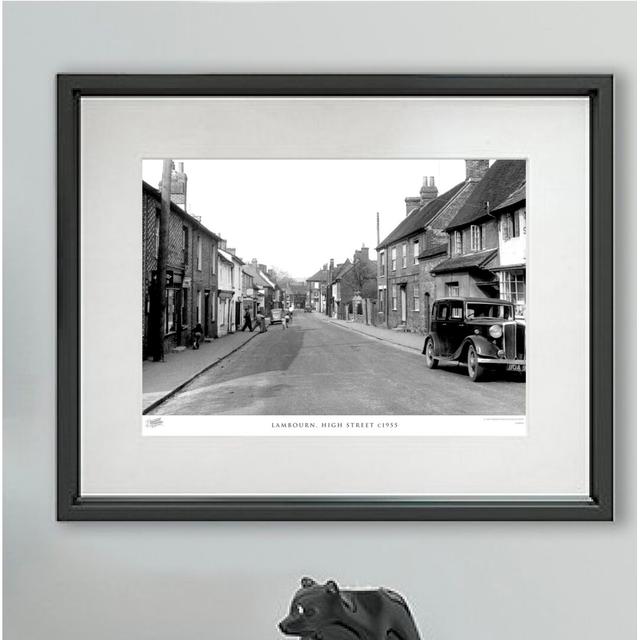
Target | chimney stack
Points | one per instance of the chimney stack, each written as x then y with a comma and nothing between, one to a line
331,265
411,203
178,185
476,169
428,191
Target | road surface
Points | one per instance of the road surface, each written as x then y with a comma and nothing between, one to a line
316,367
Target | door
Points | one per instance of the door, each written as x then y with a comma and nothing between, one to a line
207,306
403,304
427,312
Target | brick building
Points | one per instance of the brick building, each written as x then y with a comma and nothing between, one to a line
472,263
317,289
191,275
264,289
352,284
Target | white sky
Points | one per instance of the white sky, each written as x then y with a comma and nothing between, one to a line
296,215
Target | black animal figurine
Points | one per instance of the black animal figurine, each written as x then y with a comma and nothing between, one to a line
324,612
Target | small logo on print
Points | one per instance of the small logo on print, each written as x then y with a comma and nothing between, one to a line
154,422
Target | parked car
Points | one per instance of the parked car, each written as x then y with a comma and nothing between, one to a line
277,316
482,333
307,309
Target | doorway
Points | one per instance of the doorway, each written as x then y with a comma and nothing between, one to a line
403,304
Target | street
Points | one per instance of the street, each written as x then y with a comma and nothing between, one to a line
316,367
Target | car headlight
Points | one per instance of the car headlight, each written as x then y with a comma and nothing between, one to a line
495,331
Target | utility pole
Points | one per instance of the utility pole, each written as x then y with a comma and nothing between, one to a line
161,263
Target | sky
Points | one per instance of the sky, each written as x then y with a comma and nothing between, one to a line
295,215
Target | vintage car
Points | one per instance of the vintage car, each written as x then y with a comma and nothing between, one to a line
276,316
482,333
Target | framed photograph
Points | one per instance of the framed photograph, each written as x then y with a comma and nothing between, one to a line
335,297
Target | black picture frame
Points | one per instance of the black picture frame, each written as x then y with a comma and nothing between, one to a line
71,505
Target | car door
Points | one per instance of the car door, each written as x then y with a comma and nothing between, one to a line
439,326
457,329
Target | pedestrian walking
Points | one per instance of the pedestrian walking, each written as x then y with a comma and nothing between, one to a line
197,333
247,321
285,321
291,313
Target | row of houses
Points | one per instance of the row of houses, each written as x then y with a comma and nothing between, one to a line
469,241
346,290
206,282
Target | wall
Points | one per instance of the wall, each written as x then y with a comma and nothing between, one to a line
162,581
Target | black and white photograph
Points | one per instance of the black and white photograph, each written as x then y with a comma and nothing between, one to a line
306,290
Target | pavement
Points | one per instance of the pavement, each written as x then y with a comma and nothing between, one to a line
399,338
325,367
162,379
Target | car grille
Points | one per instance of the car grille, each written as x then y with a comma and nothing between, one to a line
514,341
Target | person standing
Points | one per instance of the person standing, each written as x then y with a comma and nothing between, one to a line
197,335
285,321
247,321
262,321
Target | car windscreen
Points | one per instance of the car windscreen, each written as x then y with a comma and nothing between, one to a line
484,310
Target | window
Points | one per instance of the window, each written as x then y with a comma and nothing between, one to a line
393,259
404,255
394,297
523,222
442,311
382,263
381,298
456,311
476,238
453,289
457,242
199,254
213,259
185,245
416,301
416,251
508,227
513,288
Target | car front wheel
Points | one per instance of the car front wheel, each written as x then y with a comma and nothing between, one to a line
476,370
432,362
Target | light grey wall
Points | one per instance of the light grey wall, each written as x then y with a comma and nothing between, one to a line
479,581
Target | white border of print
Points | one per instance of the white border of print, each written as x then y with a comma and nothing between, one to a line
327,425
117,133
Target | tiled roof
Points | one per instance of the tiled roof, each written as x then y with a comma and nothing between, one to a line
319,276
419,217
519,195
435,247
259,278
500,181
341,269
466,261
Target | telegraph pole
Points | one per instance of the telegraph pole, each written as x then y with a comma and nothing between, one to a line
161,270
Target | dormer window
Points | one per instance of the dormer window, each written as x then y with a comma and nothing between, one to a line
476,238
456,240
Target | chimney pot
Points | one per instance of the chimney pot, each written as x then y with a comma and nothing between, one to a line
429,191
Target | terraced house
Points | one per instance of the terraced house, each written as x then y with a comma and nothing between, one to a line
406,287
191,275
486,239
